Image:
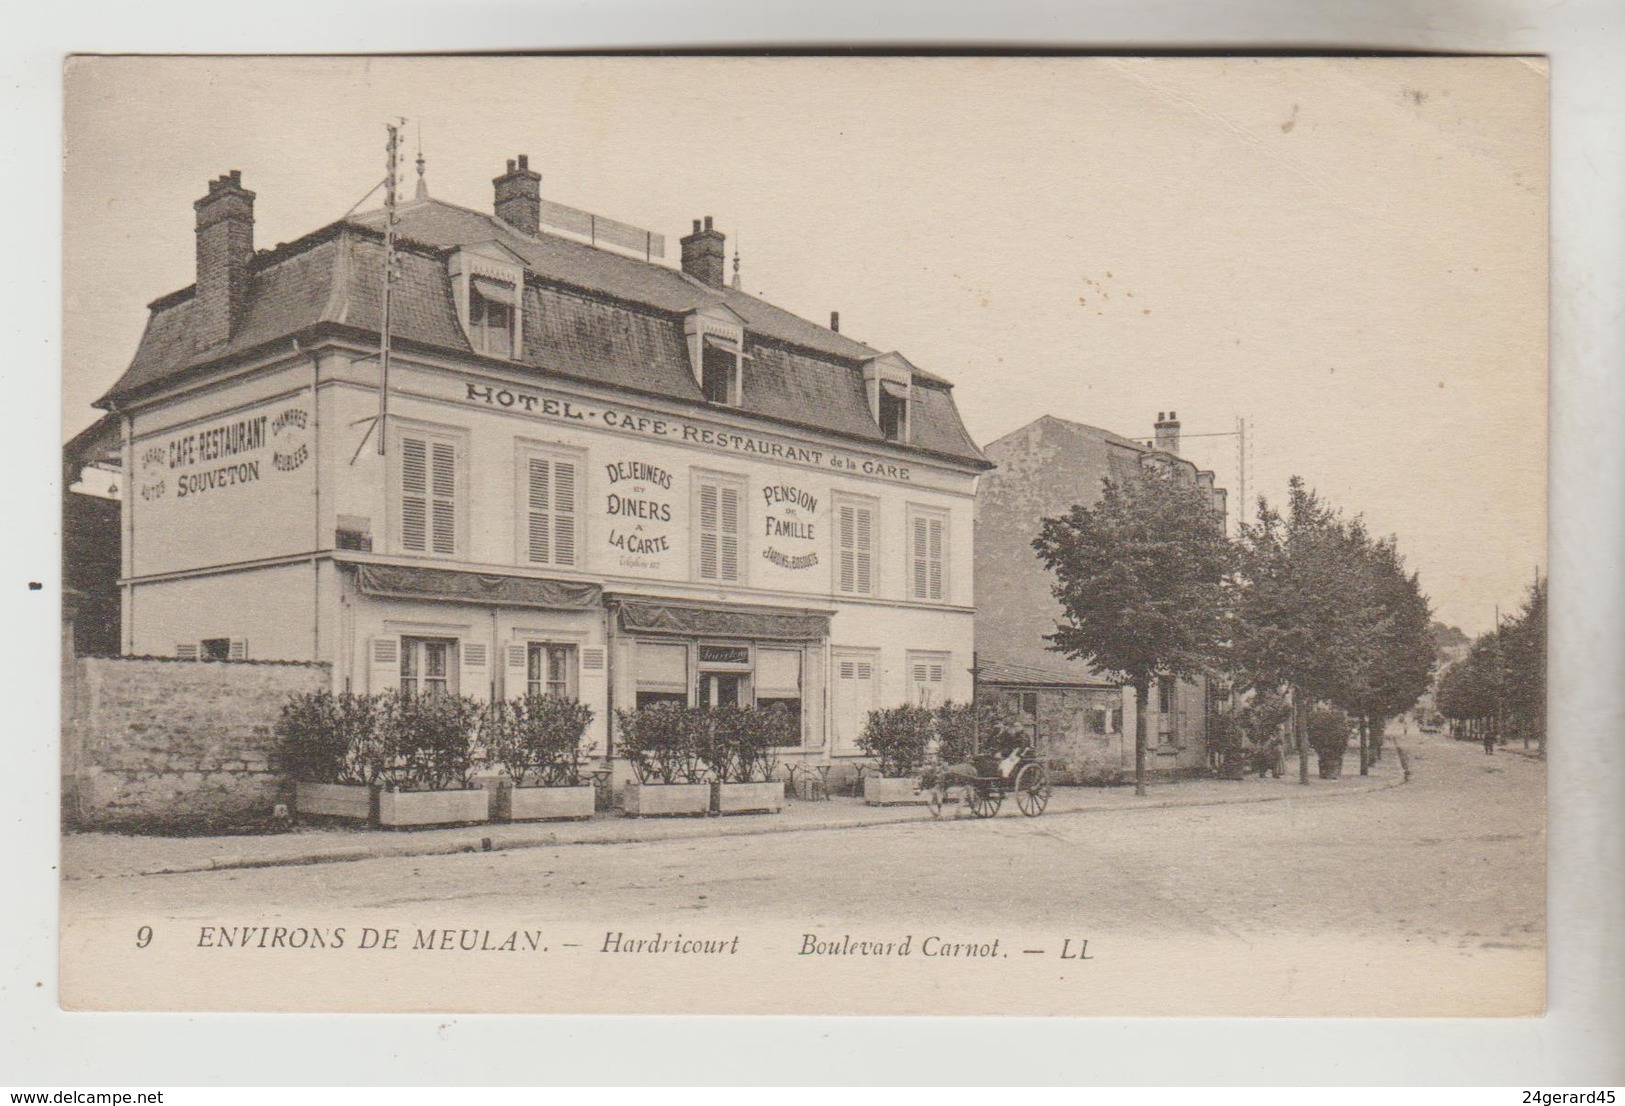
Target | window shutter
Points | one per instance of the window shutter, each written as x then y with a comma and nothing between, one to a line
445,498
934,556
540,512
592,659
864,550
728,568
848,558
708,532
383,664
238,650
515,676
187,650
414,494
564,512
919,559
474,669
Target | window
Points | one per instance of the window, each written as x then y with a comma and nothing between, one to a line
719,371
1165,694
550,670
491,306
1024,705
855,553
778,683
893,412
216,648
927,554
550,503
1105,720
428,666
720,528
661,672
926,675
428,484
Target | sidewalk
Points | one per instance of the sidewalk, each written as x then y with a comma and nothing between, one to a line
108,855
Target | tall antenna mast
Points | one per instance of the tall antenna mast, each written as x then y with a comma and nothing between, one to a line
1241,456
391,268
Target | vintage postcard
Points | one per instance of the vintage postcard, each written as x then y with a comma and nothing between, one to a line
805,535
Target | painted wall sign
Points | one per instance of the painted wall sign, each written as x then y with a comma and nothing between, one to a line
189,458
789,524
639,507
677,430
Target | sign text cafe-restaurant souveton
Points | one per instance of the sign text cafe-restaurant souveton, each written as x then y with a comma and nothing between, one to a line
601,476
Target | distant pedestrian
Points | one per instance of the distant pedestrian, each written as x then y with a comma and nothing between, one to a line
1489,742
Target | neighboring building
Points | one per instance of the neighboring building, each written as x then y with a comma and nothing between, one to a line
602,476
90,540
1043,469
1076,722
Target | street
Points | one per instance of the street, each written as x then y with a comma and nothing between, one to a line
1455,857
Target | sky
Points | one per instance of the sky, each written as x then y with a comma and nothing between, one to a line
1348,253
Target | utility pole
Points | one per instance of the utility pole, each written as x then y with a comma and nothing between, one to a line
391,270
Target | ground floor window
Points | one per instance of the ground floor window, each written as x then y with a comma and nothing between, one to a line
551,670
428,666
720,674
1024,710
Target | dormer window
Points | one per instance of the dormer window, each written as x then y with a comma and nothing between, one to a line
491,317
719,372
488,281
889,382
716,351
893,412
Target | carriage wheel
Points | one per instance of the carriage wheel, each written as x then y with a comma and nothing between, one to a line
984,801
1032,790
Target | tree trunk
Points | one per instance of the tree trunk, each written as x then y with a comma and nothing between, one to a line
1365,761
1142,704
1300,734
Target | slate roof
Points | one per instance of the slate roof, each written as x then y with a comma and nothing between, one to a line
588,313
1005,674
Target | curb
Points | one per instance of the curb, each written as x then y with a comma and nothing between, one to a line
724,828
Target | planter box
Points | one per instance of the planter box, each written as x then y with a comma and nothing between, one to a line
400,809
741,798
334,800
1331,769
889,790
644,799
537,804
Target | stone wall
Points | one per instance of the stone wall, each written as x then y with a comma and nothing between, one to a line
150,743
1072,751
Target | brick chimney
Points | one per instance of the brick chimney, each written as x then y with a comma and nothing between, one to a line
1167,428
704,253
519,196
225,246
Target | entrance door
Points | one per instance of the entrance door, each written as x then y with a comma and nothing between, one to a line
722,689
851,699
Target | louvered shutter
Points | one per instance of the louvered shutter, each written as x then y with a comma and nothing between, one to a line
848,559
383,664
708,532
934,557
728,528
238,649
539,513
444,472
921,570
564,512
514,671
864,550
474,669
414,494
187,650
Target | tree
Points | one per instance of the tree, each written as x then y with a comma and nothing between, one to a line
1143,579
1300,610
1396,646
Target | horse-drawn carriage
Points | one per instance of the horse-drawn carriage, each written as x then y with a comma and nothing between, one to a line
984,781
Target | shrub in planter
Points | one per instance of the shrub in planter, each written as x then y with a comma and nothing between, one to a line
960,728
329,746
1329,732
536,741
1225,738
663,743
429,742
898,738
739,747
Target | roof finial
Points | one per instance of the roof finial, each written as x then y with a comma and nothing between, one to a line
737,284
423,185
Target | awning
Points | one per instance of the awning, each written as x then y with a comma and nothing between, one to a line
719,342
448,585
662,617
894,388
495,290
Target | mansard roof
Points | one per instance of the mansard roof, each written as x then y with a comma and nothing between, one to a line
589,314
